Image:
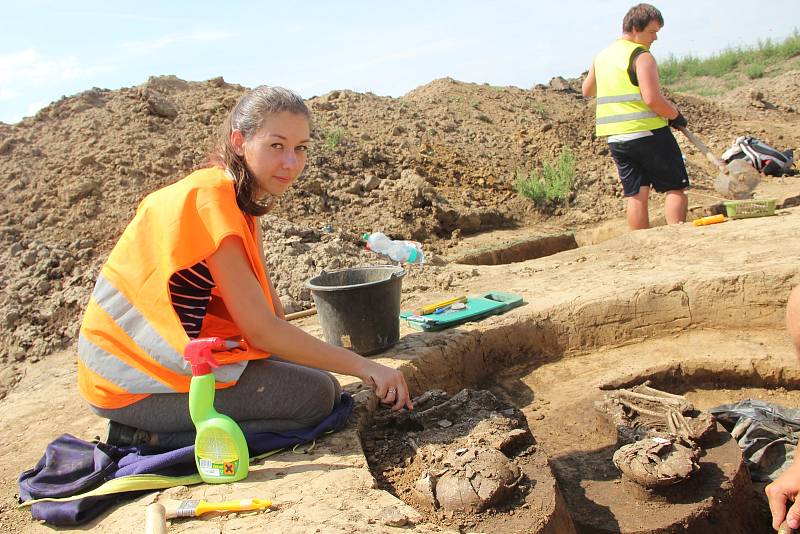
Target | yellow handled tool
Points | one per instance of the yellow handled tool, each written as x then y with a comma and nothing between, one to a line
711,219
194,508
430,308
155,521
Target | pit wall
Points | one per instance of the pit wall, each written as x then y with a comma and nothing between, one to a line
533,334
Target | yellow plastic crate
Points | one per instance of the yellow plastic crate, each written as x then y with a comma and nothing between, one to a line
743,209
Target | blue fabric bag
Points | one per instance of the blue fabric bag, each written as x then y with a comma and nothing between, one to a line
71,466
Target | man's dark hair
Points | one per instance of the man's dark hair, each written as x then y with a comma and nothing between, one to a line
639,16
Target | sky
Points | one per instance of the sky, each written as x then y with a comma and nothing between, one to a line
50,49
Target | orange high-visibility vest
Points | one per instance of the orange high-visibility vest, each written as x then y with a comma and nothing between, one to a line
131,340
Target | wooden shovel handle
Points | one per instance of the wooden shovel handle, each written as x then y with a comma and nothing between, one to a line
301,314
155,519
701,146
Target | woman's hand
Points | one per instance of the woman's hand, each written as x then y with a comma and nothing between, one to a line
389,385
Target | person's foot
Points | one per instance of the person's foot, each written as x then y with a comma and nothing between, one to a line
121,435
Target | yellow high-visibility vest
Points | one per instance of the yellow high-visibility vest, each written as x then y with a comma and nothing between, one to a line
619,107
131,340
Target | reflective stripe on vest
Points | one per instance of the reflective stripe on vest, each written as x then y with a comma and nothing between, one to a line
626,117
116,371
635,97
619,106
134,324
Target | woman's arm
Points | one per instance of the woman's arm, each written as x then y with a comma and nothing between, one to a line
276,301
647,74
263,330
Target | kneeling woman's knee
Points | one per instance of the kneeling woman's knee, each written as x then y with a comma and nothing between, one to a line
323,395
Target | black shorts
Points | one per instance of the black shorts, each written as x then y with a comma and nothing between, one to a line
654,161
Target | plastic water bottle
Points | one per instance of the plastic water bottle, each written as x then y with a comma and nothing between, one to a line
397,250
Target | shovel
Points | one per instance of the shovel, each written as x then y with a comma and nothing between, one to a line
736,180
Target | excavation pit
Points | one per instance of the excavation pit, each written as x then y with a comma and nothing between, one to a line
554,365
559,397
467,461
513,248
522,250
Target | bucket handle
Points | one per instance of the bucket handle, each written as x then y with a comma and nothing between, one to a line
395,274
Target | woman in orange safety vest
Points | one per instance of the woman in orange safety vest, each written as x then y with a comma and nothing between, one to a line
191,264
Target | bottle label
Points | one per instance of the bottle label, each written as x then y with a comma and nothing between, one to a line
210,469
216,454
412,253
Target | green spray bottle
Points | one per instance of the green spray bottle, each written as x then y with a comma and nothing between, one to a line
220,450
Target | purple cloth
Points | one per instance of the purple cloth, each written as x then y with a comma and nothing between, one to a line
71,466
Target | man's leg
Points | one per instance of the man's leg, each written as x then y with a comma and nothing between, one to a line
675,206
638,218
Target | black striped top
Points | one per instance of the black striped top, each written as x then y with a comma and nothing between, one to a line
190,290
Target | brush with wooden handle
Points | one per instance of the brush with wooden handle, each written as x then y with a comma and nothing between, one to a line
155,521
196,507
430,308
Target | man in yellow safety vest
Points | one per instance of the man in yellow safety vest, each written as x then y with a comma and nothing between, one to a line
635,116
785,490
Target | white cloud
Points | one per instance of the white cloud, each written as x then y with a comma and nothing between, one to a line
174,38
29,68
430,48
7,94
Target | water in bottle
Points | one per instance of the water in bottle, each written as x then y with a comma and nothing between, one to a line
397,250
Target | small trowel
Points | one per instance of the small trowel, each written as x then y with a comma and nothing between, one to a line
736,180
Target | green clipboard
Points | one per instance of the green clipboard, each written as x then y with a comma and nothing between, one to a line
475,308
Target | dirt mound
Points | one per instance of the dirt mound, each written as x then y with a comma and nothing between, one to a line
779,93
433,165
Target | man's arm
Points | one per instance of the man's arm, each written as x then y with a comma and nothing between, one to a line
793,319
647,73
787,486
589,86
783,490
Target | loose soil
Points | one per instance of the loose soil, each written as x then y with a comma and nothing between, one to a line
468,462
435,165
580,440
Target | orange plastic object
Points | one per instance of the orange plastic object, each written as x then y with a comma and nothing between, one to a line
711,219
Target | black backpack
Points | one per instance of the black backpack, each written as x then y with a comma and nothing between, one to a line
760,155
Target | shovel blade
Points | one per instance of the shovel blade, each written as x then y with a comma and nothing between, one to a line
739,182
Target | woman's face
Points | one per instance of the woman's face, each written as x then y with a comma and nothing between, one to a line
276,153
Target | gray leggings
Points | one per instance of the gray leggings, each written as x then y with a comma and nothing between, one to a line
272,395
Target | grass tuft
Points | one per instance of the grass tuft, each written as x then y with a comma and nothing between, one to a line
751,61
552,184
333,137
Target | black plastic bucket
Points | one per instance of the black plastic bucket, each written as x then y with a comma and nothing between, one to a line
359,308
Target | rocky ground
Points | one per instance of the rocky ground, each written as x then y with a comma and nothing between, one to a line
698,311
435,165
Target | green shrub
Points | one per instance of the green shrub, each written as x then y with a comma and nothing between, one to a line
333,137
754,71
552,184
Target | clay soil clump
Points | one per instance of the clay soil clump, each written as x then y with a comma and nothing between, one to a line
466,461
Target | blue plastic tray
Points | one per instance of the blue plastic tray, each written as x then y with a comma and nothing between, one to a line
492,303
